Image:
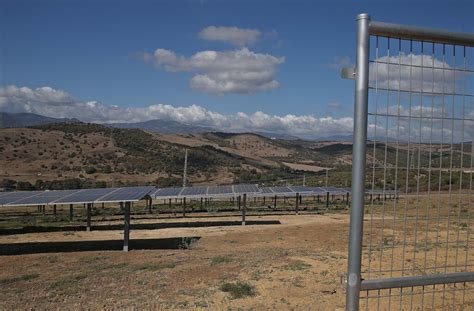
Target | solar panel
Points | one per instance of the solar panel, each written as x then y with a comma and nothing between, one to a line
85,195
246,188
168,192
282,190
301,189
44,197
317,190
126,194
220,190
266,190
10,197
194,191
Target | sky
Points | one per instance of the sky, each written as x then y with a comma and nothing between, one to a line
270,66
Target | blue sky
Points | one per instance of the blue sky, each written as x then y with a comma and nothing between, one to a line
93,50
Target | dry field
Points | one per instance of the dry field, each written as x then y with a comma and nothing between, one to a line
295,265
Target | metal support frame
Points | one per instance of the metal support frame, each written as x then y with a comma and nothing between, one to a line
184,207
422,280
126,226
71,212
88,216
297,203
366,28
244,208
421,34
358,163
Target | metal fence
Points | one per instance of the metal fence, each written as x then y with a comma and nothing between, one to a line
413,134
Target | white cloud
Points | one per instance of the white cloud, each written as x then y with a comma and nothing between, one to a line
59,104
232,35
407,72
55,103
239,71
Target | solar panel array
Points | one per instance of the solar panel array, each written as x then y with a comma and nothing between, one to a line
246,189
98,195
206,191
252,190
131,194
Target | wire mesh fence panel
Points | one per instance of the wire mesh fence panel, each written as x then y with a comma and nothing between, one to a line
420,134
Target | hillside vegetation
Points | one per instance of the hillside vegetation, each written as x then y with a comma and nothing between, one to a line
74,155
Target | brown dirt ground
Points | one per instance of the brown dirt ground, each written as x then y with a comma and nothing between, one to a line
292,266
296,265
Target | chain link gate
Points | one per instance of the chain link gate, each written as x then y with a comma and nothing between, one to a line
411,218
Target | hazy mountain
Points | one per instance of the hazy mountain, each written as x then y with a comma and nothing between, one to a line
277,135
15,120
166,127
8,120
336,138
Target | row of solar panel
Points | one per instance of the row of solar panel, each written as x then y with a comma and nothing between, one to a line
99,195
253,190
206,191
129,194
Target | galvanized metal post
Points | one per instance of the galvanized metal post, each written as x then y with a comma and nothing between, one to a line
71,212
184,207
126,226
244,208
88,217
358,163
297,203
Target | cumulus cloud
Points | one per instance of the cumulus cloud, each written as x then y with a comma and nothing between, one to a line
239,71
412,72
59,104
232,35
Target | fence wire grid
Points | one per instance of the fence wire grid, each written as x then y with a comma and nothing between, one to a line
419,145
410,237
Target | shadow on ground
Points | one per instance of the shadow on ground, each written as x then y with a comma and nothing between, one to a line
104,245
151,226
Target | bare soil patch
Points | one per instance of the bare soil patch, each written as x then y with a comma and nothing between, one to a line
289,266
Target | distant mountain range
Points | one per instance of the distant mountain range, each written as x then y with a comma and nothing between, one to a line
165,127
28,119
8,120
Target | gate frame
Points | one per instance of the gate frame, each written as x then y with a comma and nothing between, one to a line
366,28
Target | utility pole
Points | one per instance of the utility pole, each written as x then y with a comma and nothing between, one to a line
327,175
185,167
304,180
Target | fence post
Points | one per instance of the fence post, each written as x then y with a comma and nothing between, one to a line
358,163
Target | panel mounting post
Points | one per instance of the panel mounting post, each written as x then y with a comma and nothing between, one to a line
126,226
